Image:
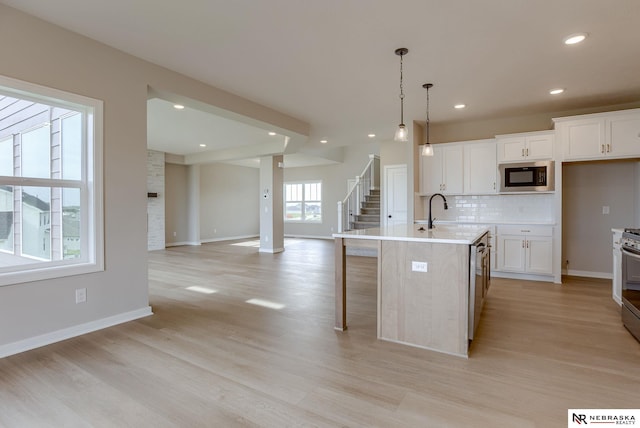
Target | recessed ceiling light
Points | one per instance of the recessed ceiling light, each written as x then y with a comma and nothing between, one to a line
178,106
272,133
459,106
203,145
575,38
371,135
324,141
556,91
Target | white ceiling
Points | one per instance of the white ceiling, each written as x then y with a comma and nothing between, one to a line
331,63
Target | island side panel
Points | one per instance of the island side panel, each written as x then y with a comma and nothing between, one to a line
425,309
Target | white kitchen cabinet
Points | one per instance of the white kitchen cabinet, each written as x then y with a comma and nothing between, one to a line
443,172
480,167
624,135
526,146
525,249
600,136
616,283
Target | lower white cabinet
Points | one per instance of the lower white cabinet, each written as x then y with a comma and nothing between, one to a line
616,284
525,249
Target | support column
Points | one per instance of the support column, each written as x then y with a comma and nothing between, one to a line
193,201
271,205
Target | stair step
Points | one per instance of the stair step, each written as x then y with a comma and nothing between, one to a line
371,218
368,211
364,224
370,204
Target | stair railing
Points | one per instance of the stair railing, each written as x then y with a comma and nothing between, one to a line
350,206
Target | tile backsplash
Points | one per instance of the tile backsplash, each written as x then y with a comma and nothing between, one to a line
529,208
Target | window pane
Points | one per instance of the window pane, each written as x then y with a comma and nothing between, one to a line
313,192
293,211
293,192
313,211
36,222
36,153
6,157
71,223
6,219
72,147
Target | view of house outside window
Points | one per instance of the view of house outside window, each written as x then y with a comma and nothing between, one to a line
48,185
303,202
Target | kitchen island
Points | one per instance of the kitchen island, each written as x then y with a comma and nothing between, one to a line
427,288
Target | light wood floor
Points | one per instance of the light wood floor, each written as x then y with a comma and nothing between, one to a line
213,360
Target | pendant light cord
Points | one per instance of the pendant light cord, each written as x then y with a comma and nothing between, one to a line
427,115
401,93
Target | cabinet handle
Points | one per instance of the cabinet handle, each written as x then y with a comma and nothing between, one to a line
494,185
527,244
522,152
608,148
522,244
602,148
527,152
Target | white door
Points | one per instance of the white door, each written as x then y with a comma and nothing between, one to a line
395,195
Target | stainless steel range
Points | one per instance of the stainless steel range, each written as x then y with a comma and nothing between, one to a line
631,281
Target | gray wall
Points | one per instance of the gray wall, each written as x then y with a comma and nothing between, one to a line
586,233
229,202
176,205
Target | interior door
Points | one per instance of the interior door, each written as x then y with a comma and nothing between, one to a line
395,195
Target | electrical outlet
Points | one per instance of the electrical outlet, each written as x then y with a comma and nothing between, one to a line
605,209
419,266
174,234
81,295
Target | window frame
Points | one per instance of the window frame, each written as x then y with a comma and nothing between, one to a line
90,184
303,202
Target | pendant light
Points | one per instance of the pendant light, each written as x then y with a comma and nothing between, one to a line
402,134
427,149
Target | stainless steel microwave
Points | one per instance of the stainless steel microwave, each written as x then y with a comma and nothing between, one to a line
527,177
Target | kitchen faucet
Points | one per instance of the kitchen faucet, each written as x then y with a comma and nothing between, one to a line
446,207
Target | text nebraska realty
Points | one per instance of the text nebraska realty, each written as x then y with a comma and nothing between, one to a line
605,419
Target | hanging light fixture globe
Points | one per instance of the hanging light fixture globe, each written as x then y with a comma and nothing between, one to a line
427,149
402,134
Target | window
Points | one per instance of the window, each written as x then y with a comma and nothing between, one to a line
303,202
50,183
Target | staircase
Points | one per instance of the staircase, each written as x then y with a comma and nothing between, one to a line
361,208
369,216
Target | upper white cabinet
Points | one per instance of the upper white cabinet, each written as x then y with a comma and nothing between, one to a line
527,146
442,172
480,167
600,136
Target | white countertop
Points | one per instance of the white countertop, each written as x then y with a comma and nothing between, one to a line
449,234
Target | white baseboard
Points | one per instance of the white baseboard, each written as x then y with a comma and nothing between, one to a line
526,276
228,238
587,274
180,244
68,333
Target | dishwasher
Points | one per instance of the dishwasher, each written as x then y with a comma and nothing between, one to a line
479,279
